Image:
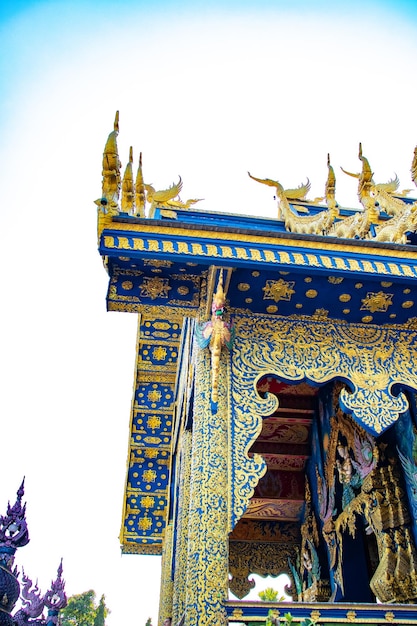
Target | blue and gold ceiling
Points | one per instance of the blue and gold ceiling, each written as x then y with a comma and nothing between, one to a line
164,263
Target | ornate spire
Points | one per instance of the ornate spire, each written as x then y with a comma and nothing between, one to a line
55,598
111,173
140,190
128,196
13,527
330,190
414,167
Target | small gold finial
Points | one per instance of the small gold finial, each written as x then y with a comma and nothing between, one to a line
330,189
414,167
140,190
128,196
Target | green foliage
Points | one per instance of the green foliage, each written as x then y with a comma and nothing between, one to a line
269,595
82,610
288,620
148,622
271,619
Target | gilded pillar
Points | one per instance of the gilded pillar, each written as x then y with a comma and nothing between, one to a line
165,596
179,595
207,575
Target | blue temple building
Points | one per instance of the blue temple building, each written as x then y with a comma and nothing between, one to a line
274,422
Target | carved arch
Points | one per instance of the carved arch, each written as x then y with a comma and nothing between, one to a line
371,359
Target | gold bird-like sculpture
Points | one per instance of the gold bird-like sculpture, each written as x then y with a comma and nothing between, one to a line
161,198
299,193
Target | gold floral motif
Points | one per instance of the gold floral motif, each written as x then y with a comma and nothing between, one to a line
147,502
311,293
351,616
153,422
243,287
389,616
151,453
127,284
159,353
183,290
145,523
278,290
154,395
407,304
149,476
271,309
377,302
345,297
335,280
154,287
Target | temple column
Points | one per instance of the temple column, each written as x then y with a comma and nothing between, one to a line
179,596
207,575
165,596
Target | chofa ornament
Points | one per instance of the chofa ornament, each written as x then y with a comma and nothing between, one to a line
14,534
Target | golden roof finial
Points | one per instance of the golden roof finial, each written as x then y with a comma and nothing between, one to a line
140,190
128,196
330,189
364,177
111,172
414,167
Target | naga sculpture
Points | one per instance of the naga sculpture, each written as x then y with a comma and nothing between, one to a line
358,225
317,224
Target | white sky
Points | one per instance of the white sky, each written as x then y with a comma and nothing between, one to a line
204,94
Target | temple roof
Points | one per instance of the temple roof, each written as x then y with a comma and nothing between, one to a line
161,262
316,261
